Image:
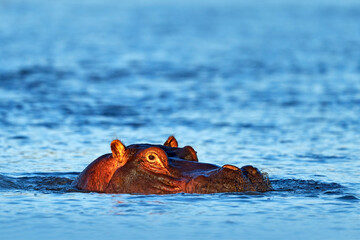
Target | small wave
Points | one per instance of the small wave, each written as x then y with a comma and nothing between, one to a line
8,183
25,72
349,198
321,158
306,186
43,182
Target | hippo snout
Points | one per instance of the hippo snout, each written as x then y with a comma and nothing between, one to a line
228,178
258,179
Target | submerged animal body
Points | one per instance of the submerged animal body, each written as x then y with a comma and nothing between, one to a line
165,169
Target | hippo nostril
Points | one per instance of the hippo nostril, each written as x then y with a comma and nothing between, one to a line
231,167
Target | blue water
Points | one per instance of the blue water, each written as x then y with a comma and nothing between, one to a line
275,84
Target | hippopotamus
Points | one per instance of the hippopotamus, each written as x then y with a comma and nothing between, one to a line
165,169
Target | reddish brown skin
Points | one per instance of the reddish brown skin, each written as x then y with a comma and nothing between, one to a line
165,169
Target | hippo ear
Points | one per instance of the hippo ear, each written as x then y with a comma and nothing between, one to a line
171,142
192,156
117,149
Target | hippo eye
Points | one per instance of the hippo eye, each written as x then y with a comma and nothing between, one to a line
151,157
154,159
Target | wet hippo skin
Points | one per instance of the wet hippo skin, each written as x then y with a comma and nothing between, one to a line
165,169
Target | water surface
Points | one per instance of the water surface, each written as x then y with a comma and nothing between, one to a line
271,84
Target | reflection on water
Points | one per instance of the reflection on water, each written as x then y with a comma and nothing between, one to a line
274,85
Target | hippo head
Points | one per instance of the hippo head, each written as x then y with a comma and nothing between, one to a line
162,169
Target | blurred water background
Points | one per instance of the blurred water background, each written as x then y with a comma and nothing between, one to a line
275,84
